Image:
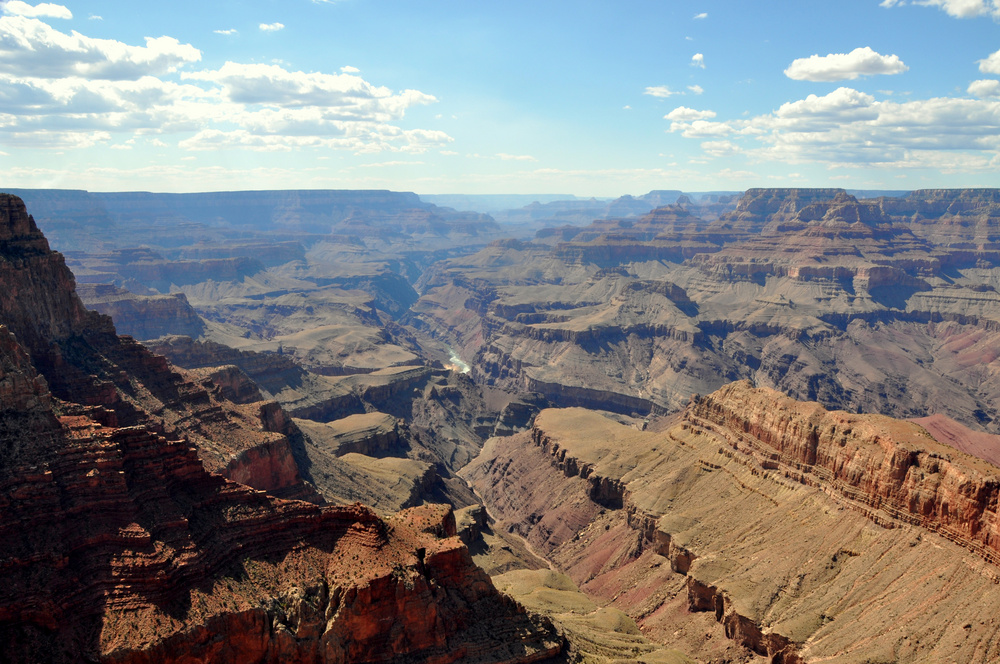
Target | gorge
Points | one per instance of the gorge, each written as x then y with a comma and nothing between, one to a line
358,427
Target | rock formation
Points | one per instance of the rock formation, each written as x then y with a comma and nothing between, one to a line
117,545
143,316
881,305
804,534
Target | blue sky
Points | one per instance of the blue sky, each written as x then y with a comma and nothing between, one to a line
589,98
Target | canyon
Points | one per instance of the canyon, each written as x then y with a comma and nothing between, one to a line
873,305
122,545
356,426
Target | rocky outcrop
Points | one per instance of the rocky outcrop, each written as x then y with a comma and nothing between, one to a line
232,383
186,568
270,254
38,304
300,392
891,470
143,316
162,274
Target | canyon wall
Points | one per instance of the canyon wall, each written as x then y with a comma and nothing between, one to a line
117,544
802,534
882,305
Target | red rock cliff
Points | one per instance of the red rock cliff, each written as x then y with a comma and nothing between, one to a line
889,468
116,544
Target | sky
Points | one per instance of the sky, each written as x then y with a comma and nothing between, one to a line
589,98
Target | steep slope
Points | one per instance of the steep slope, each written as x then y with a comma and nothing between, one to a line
116,544
808,535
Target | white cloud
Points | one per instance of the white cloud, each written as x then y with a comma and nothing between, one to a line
850,129
985,88
700,16
271,27
19,8
55,140
816,113
696,89
991,64
347,69
69,91
661,91
29,47
702,129
626,107
95,17
844,66
685,114
965,8
720,148
891,3
515,157
698,60
310,96
230,31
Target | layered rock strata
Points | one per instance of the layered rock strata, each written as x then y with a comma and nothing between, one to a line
143,316
882,305
117,545
808,535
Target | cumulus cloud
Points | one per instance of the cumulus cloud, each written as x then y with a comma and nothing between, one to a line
891,3
18,8
844,66
230,31
698,60
332,96
661,91
68,90
848,128
32,48
965,8
700,16
271,27
349,69
991,64
696,89
685,114
985,88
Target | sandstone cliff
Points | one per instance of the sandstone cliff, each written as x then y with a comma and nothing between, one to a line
804,534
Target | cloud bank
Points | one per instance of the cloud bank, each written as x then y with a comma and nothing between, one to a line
67,91
851,129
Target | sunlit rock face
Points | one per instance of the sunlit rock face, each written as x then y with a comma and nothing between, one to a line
754,523
117,543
